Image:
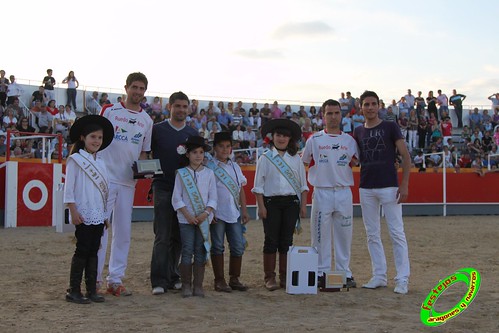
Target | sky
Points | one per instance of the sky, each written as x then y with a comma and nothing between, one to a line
295,51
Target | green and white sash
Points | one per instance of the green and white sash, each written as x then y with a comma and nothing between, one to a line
94,174
224,177
197,205
289,175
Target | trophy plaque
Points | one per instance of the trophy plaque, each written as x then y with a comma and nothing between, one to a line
147,169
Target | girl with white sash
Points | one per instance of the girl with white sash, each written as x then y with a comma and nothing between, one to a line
281,194
85,194
195,199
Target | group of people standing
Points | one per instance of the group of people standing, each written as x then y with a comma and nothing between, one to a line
198,203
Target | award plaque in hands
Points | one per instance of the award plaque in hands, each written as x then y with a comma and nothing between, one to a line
146,169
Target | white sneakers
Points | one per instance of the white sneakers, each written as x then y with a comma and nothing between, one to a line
158,290
375,283
401,287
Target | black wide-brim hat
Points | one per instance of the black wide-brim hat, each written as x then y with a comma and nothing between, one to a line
197,141
271,125
80,124
222,136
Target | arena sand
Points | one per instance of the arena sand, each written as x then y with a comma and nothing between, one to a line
35,268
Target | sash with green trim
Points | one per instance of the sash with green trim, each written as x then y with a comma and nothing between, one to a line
94,174
197,205
224,177
289,175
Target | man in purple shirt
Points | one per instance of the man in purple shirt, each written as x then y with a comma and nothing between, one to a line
379,141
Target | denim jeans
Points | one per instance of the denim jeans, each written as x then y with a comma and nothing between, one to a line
234,232
71,93
192,245
166,249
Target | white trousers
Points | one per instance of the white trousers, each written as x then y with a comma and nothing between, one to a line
413,137
120,203
331,217
370,201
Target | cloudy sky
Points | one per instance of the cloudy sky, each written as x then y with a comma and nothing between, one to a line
300,51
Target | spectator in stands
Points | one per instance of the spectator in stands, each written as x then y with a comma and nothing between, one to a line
104,99
431,101
238,134
306,131
420,105
156,107
494,98
3,147
38,95
230,108
476,148
199,119
287,113
443,103
216,109
390,116
496,135
358,119
344,104
382,110
317,122
395,109
477,134
446,129
347,123
237,119
410,99
44,121
485,117
18,111
4,85
448,158
254,111
61,124
14,91
29,151
24,126
434,160
73,84
9,119
412,129
403,123
456,100
403,107
465,133
240,107
477,162
193,108
92,103
249,137
38,107
312,111
276,111
418,159
265,113
464,161
52,108
351,101
224,119
49,84
423,131
487,142
144,105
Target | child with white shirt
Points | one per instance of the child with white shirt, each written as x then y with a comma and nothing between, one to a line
230,182
281,194
195,199
85,194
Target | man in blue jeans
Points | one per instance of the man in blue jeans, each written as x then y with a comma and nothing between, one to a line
230,193
166,137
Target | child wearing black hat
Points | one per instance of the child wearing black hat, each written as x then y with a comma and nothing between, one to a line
85,194
195,199
281,193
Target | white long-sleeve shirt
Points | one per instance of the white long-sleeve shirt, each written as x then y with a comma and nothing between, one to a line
81,190
206,183
270,182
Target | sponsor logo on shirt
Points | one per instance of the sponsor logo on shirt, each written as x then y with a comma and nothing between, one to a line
323,158
133,121
136,138
119,134
335,146
342,161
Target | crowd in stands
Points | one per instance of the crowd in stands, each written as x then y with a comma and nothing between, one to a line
425,122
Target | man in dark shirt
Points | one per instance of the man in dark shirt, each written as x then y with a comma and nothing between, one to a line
38,95
48,84
457,101
379,143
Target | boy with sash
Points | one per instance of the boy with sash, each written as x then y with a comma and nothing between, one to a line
281,193
85,194
195,199
230,182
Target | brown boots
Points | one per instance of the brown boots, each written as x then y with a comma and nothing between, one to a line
234,271
186,276
217,262
269,269
198,271
269,263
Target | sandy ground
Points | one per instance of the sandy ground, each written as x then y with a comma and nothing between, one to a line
34,269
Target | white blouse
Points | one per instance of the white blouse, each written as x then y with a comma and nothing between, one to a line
81,190
228,211
207,186
270,182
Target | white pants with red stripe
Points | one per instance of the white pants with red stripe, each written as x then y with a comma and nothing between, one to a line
120,202
331,217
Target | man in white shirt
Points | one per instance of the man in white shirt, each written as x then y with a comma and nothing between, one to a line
410,99
329,154
132,141
443,103
344,104
14,90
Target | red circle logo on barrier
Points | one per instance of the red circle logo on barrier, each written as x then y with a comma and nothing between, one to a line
34,195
